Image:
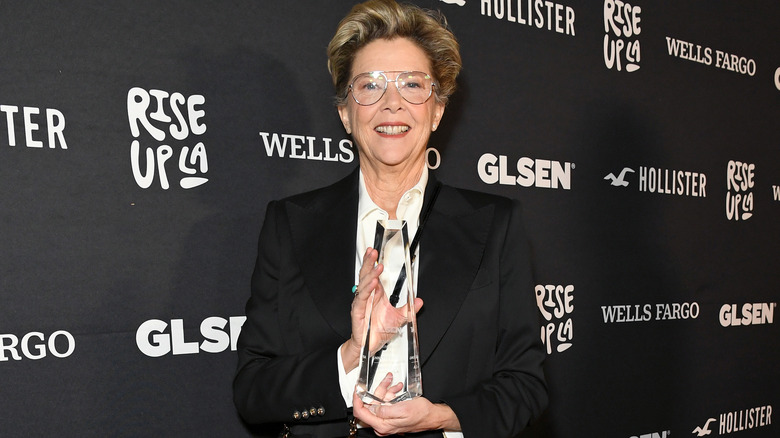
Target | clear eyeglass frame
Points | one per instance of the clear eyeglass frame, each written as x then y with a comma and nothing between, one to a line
415,88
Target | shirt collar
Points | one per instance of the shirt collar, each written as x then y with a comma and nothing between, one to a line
366,205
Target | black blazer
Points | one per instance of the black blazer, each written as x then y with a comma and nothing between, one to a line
480,346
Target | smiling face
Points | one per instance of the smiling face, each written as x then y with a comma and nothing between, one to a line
391,134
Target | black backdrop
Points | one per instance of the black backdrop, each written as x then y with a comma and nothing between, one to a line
120,299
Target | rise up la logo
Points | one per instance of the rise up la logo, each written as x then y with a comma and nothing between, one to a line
556,303
621,42
739,190
151,116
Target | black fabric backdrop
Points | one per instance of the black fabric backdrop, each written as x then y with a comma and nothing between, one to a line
119,298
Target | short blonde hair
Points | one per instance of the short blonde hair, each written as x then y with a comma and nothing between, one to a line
386,19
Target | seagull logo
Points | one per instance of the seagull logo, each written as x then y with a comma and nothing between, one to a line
455,2
699,431
619,181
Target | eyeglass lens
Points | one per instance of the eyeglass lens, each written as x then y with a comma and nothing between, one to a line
368,88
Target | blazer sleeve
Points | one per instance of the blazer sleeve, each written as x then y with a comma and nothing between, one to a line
275,376
516,393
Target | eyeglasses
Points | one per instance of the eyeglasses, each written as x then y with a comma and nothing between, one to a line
414,86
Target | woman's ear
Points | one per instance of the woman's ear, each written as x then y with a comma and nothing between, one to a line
344,115
438,113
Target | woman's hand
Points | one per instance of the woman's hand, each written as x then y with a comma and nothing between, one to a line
385,319
415,415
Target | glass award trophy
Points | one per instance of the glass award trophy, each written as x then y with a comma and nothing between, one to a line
390,361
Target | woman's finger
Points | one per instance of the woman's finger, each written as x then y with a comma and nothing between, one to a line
418,303
368,284
368,276
381,390
369,261
391,391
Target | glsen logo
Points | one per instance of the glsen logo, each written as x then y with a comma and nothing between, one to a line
35,345
548,174
141,112
541,14
649,312
663,181
556,304
664,434
621,45
704,55
154,339
749,314
304,147
739,196
736,421
30,116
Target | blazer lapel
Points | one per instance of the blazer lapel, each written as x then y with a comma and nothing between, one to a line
323,229
451,250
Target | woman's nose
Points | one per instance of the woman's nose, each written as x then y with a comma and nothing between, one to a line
392,98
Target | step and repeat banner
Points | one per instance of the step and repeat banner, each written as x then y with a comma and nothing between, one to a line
140,142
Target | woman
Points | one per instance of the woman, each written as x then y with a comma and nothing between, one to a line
479,340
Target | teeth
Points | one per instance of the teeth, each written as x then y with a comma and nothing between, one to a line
392,130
